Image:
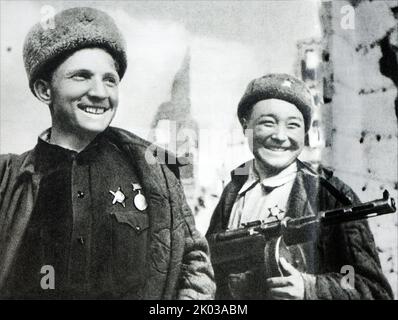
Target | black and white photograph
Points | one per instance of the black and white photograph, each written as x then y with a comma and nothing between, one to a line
199,150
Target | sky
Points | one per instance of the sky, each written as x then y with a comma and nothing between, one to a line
231,42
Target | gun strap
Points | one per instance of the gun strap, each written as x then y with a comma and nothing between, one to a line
336,193
339,196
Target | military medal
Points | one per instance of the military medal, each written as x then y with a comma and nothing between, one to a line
276,212
118,197
139,199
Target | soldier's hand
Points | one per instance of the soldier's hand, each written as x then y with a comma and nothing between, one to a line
290,287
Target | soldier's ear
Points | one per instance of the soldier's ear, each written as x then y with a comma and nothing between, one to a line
244,124
42,90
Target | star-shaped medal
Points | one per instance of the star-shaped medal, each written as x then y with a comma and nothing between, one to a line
276,212
118,197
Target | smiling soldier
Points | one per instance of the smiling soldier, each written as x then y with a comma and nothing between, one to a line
275,113
84,203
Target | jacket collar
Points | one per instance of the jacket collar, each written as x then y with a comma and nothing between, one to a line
286,175
303,198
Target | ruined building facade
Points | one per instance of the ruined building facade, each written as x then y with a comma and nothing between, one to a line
360,80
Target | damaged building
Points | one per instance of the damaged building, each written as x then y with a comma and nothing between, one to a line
360,107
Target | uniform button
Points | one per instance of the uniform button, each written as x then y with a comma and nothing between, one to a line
80,194
138,228
81,240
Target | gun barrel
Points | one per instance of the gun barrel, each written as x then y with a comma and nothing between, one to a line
362,211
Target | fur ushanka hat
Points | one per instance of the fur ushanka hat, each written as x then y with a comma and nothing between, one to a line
73,29
278,86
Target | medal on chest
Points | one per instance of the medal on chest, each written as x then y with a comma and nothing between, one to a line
139,199
118,197
276,212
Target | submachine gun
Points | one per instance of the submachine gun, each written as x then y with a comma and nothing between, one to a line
263,243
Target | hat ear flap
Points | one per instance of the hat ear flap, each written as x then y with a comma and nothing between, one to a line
42,91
